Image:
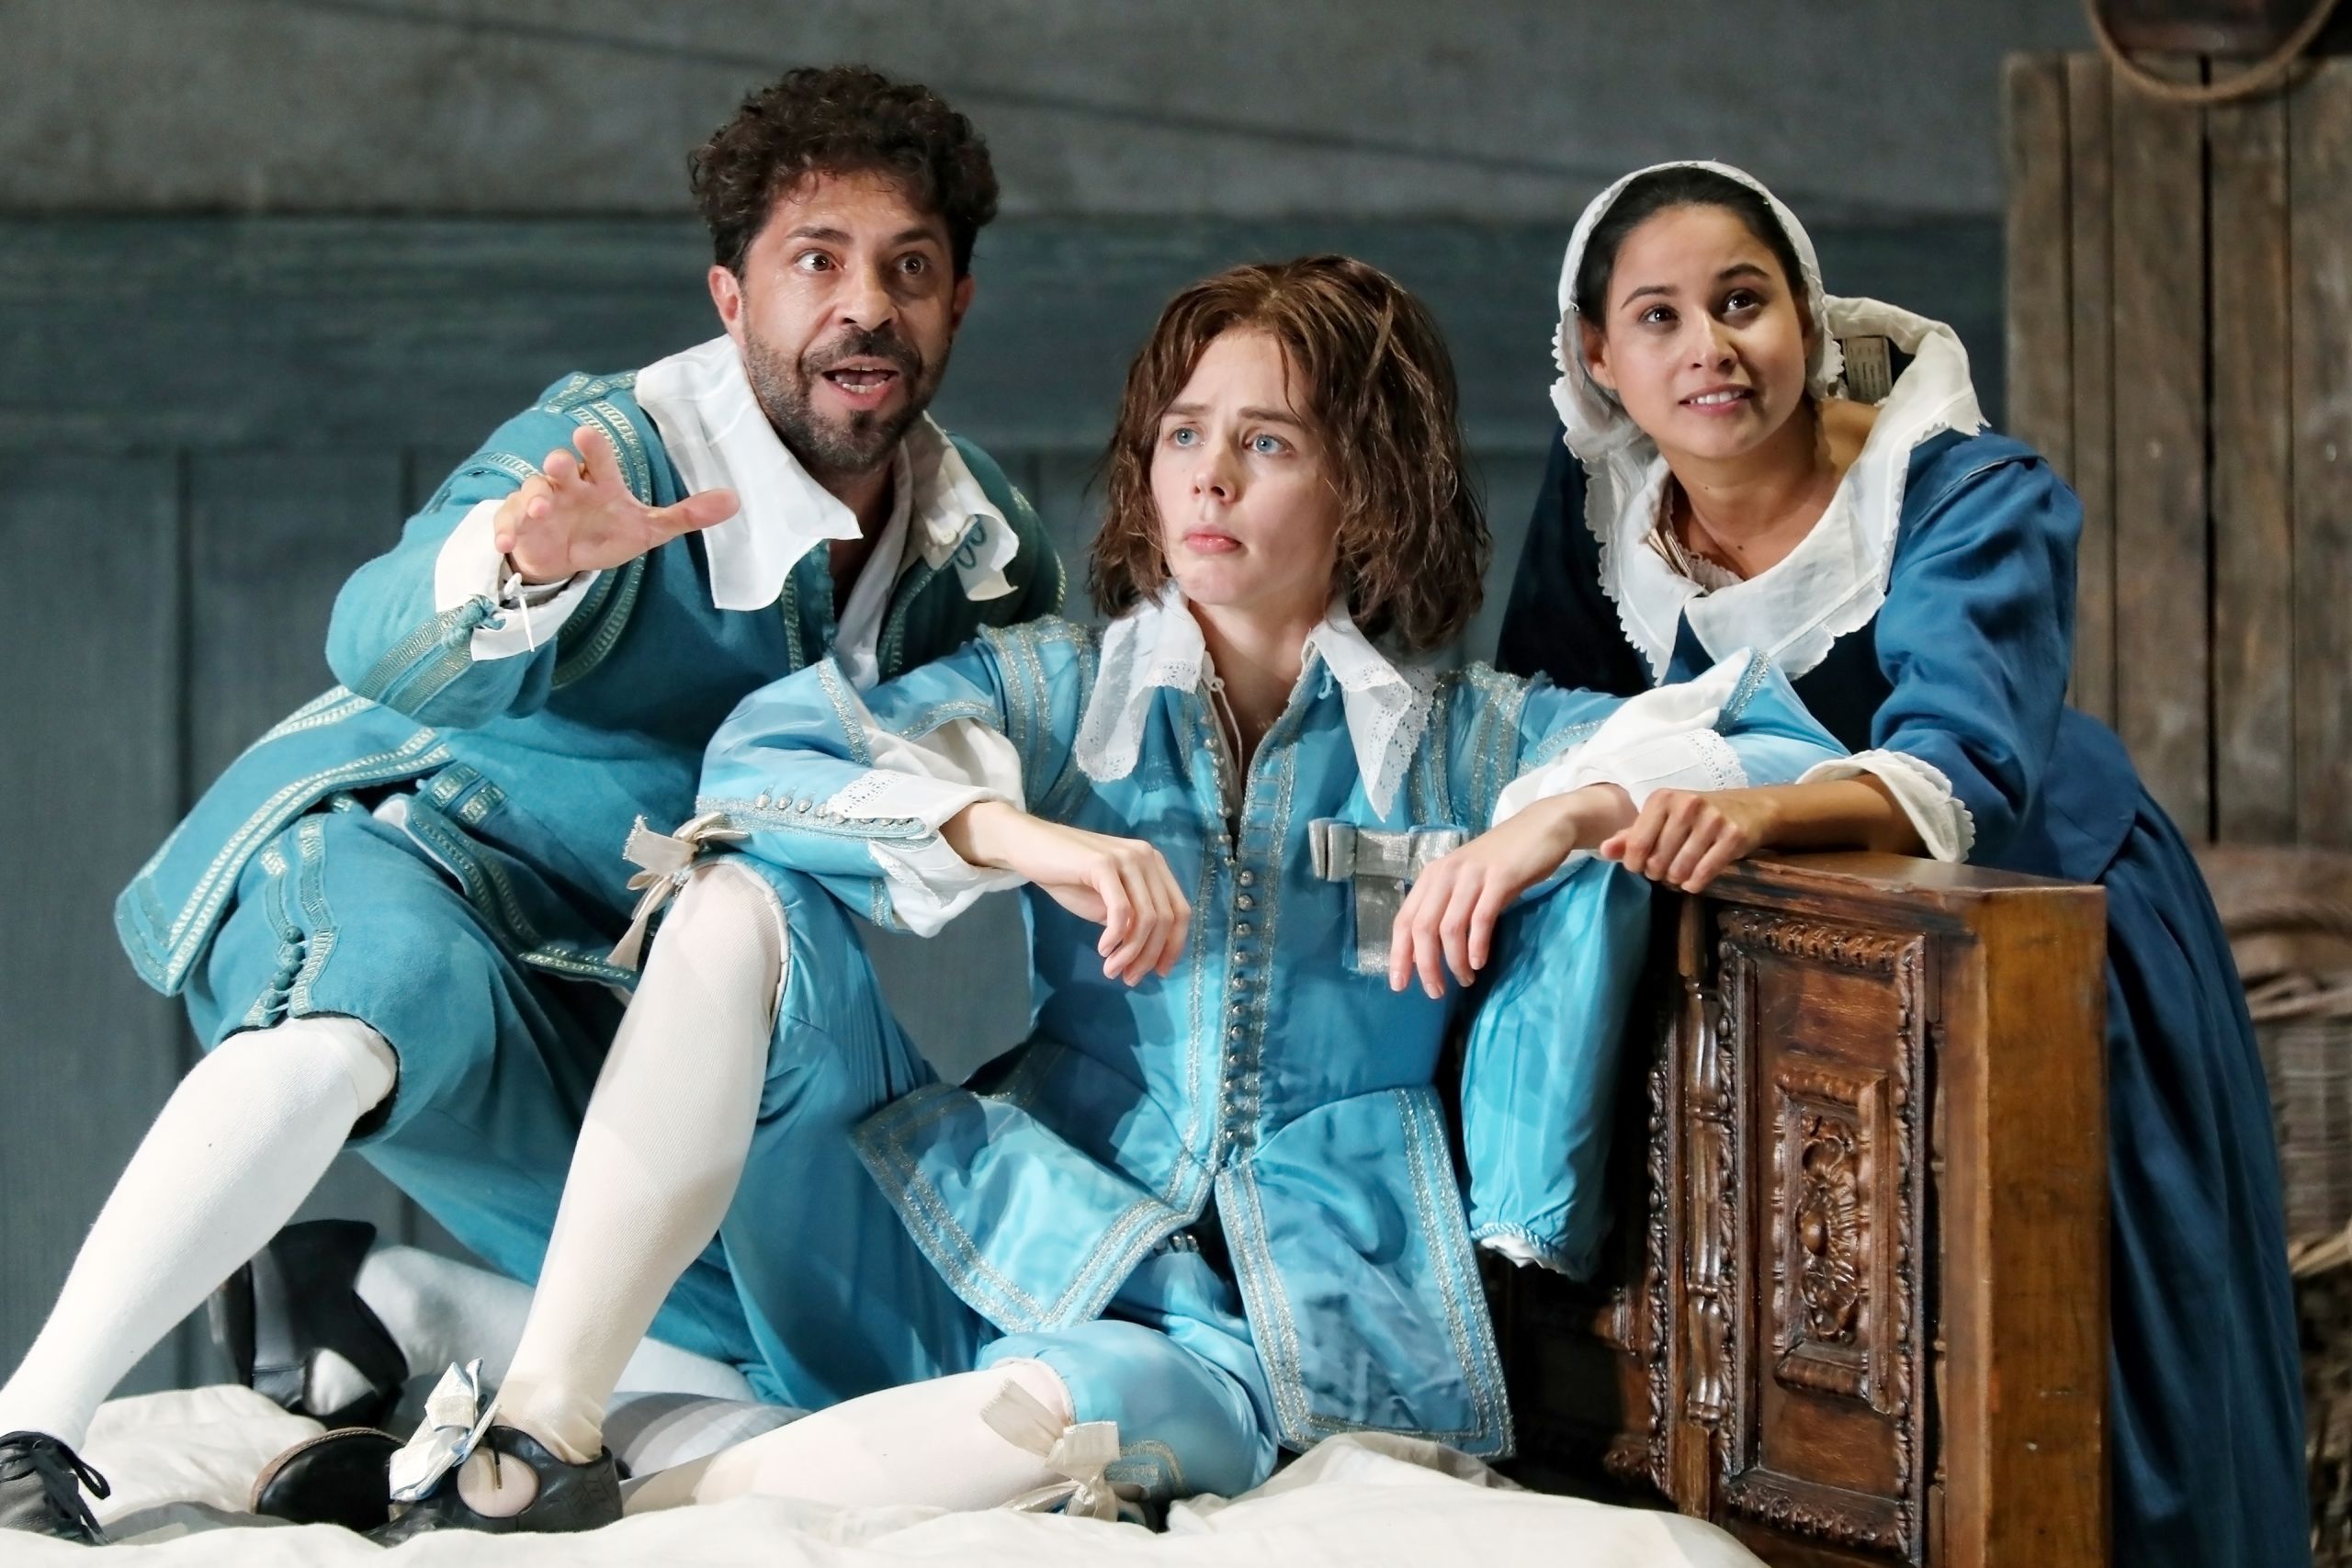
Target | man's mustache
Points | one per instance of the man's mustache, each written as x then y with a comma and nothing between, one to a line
882,344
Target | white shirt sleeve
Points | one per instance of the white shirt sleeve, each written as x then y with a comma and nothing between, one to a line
960,763
1664,738
1946,828
469,568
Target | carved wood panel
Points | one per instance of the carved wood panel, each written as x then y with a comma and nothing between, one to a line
1859,1203
1831,1020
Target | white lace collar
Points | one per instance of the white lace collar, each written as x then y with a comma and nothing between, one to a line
1158,645
712,425
1835,580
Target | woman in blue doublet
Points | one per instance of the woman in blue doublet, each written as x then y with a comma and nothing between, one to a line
1209,1210
1718,485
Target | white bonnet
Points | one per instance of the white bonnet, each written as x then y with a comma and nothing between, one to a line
1596,423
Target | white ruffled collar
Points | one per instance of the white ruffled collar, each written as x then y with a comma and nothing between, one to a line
1158,645
713,427
1835,580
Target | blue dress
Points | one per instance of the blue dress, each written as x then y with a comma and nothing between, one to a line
1270,1105
1965,666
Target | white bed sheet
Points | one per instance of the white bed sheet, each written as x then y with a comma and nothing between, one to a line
182,1462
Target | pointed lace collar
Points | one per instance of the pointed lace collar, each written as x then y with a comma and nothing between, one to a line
1157,645
717,435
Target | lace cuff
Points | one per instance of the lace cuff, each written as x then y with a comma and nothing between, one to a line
469,568
1942,818
928,781
930,884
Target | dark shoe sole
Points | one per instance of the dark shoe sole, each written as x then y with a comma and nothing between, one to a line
337,1478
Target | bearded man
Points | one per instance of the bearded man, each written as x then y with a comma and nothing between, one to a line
400,920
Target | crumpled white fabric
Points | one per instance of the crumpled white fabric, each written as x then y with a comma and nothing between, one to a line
928,780
1946,828
1080,1452
471,567
1360,1498
1158,645
1836,579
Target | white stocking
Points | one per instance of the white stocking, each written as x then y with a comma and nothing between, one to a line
660,1153
238,1146
925,1443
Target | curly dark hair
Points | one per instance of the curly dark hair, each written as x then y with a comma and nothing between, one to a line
1379,391
838,119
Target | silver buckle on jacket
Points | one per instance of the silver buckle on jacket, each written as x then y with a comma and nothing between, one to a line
1381,864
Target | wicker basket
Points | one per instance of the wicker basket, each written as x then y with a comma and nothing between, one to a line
2289,915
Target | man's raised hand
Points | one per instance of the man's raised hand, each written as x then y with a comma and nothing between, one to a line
578,515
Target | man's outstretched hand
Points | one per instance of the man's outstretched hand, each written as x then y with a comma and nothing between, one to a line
579,515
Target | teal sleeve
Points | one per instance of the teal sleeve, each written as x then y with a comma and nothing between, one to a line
779,768
1770,728
390,643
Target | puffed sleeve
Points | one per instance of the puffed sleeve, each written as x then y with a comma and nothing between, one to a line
1737,725
1539,1063
1976,637
810,775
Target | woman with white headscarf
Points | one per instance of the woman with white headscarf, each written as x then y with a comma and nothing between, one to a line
1720,485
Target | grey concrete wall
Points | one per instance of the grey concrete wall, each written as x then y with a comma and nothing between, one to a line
1491,110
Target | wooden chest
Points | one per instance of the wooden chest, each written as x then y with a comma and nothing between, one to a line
1859,1312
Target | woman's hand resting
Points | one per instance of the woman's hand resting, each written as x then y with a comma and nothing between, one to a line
1447,920
1122,884
1685,838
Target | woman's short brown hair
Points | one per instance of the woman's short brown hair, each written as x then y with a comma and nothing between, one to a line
1379,389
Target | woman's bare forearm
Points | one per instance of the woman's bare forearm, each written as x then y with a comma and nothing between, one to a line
976,833
1842,814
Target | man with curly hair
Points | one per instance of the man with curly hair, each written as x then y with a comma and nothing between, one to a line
400,920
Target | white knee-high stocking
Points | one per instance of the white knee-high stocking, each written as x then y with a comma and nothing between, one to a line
926,1443
238,1146
660,1153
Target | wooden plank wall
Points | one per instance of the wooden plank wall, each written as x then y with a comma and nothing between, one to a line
208,422
2179,328
2319,198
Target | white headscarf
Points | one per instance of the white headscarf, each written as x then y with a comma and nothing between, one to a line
1596,421
1798,609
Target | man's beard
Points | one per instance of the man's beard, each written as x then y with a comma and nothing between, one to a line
863,441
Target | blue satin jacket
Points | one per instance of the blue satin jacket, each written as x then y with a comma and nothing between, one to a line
550,755
1265,1075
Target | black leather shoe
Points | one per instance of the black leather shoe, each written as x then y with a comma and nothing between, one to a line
337,1478
572,1497
298,1297
40,1489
